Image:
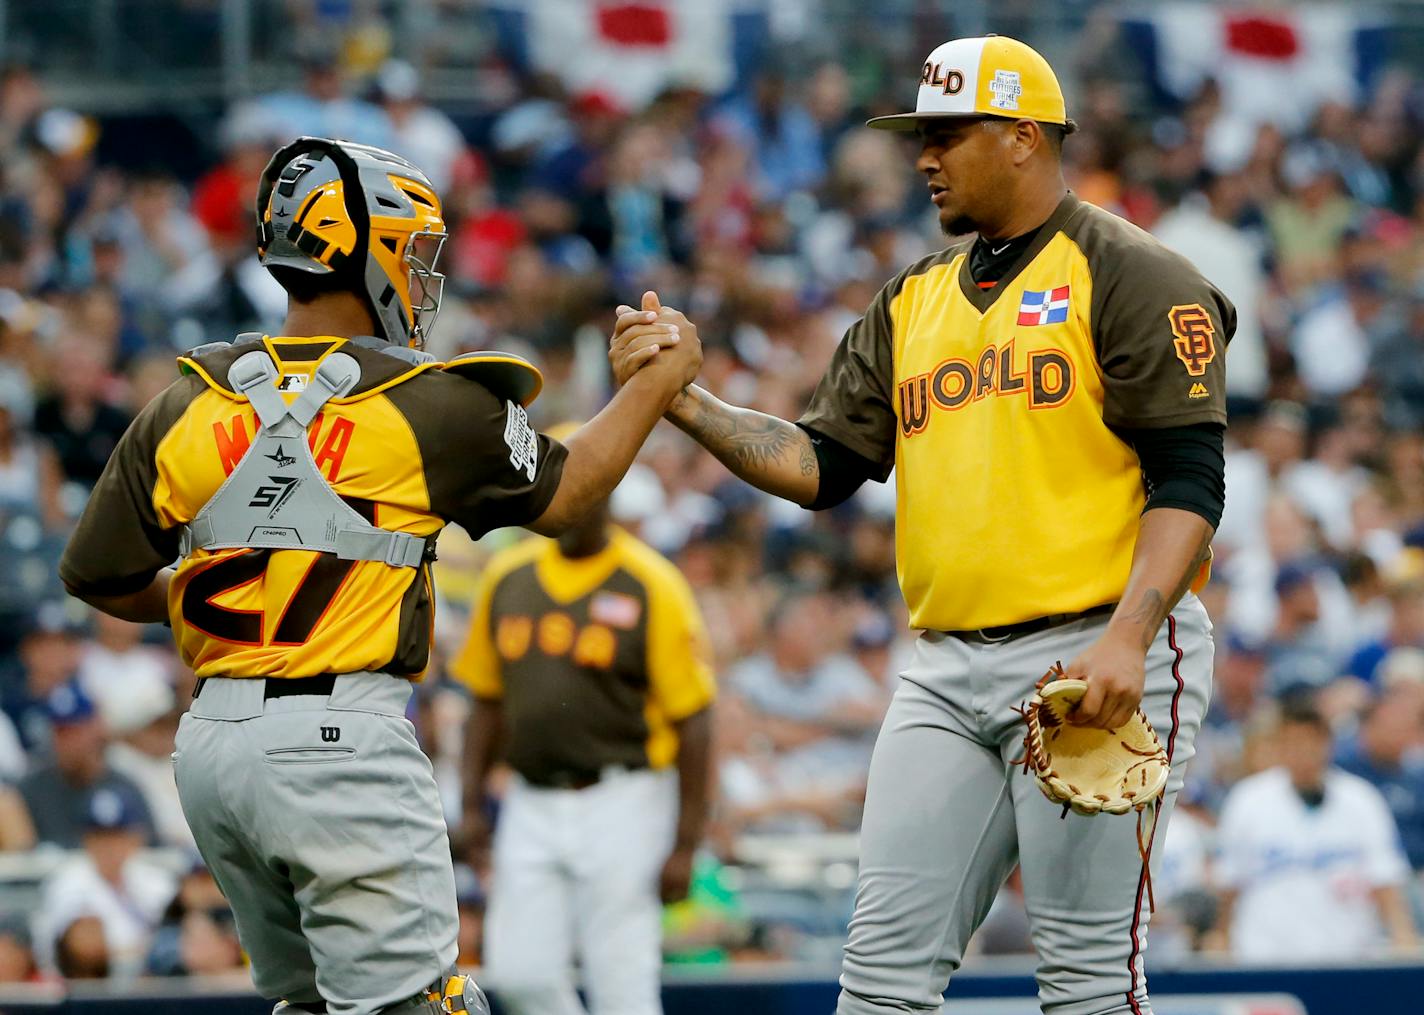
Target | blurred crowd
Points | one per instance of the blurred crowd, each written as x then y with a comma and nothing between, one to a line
772,219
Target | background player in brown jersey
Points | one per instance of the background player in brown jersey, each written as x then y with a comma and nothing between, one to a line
302,480
588,661
1051,398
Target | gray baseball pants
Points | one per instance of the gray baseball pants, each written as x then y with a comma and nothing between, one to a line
948,815
330,846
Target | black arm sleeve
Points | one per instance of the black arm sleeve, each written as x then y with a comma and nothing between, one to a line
1183,467
842,470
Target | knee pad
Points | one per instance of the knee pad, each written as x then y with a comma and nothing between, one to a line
455,994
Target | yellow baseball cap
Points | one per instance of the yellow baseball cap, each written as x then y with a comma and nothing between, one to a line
989,76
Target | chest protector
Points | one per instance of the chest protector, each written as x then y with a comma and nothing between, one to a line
276,497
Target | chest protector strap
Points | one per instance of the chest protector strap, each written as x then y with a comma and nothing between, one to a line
276,497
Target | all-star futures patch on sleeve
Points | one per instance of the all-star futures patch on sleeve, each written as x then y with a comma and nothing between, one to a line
1160,328
485,466
119,543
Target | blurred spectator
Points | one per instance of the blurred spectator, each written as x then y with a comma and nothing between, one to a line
12,752
48,651
29,472
1406,619
1332,340
82,950
17,960
169,266
1297,653
323,107
111,882
143,726
17,832
1204,230
635,219
1388,753
59,794
807,727
470,900
419,131
116,669
1239,693
1186,901
224,196
784,139
1309,856
77,418
1309,220
196,935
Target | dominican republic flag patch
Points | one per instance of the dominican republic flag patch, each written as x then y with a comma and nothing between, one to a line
1045,306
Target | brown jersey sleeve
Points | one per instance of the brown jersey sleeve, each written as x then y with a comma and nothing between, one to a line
1160,328
485,467
119,544
852,404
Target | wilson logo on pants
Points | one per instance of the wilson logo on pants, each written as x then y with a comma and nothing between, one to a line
331,734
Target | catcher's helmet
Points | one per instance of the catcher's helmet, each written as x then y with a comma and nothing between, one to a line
328,207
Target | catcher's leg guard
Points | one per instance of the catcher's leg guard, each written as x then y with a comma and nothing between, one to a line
453,994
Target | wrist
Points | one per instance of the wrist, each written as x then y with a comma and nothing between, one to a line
681,405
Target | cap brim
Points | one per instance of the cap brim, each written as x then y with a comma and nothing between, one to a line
907,123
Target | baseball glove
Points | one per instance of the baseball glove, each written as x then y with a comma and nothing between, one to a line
1088,770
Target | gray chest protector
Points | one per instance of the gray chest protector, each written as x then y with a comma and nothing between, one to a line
276,497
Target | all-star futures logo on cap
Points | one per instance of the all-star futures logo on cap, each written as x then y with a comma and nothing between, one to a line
1006,89
988,76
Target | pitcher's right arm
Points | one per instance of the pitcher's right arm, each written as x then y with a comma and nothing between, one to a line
846,436
765,451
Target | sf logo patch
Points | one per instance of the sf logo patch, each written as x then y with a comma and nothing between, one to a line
1195,337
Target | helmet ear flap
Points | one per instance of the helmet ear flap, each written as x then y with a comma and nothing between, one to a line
275,177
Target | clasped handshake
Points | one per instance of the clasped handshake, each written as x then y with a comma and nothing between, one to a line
655,338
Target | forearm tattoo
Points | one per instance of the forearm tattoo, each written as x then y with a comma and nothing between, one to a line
748,441
1153,607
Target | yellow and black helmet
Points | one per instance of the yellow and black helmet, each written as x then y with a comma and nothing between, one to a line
328,207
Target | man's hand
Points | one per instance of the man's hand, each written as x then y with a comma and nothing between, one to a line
639,335
1115,670
676,875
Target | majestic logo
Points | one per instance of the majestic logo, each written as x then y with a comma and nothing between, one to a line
281,458
1047,306
1006,88
955,383
331,734
1195,337
276,495
1198,390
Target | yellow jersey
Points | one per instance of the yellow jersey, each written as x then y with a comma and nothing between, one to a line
998,410
410,448
594,658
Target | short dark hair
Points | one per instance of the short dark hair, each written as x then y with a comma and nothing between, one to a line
304,286
1054,133
1300,707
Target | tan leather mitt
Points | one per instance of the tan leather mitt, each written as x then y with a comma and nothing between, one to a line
1090,770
